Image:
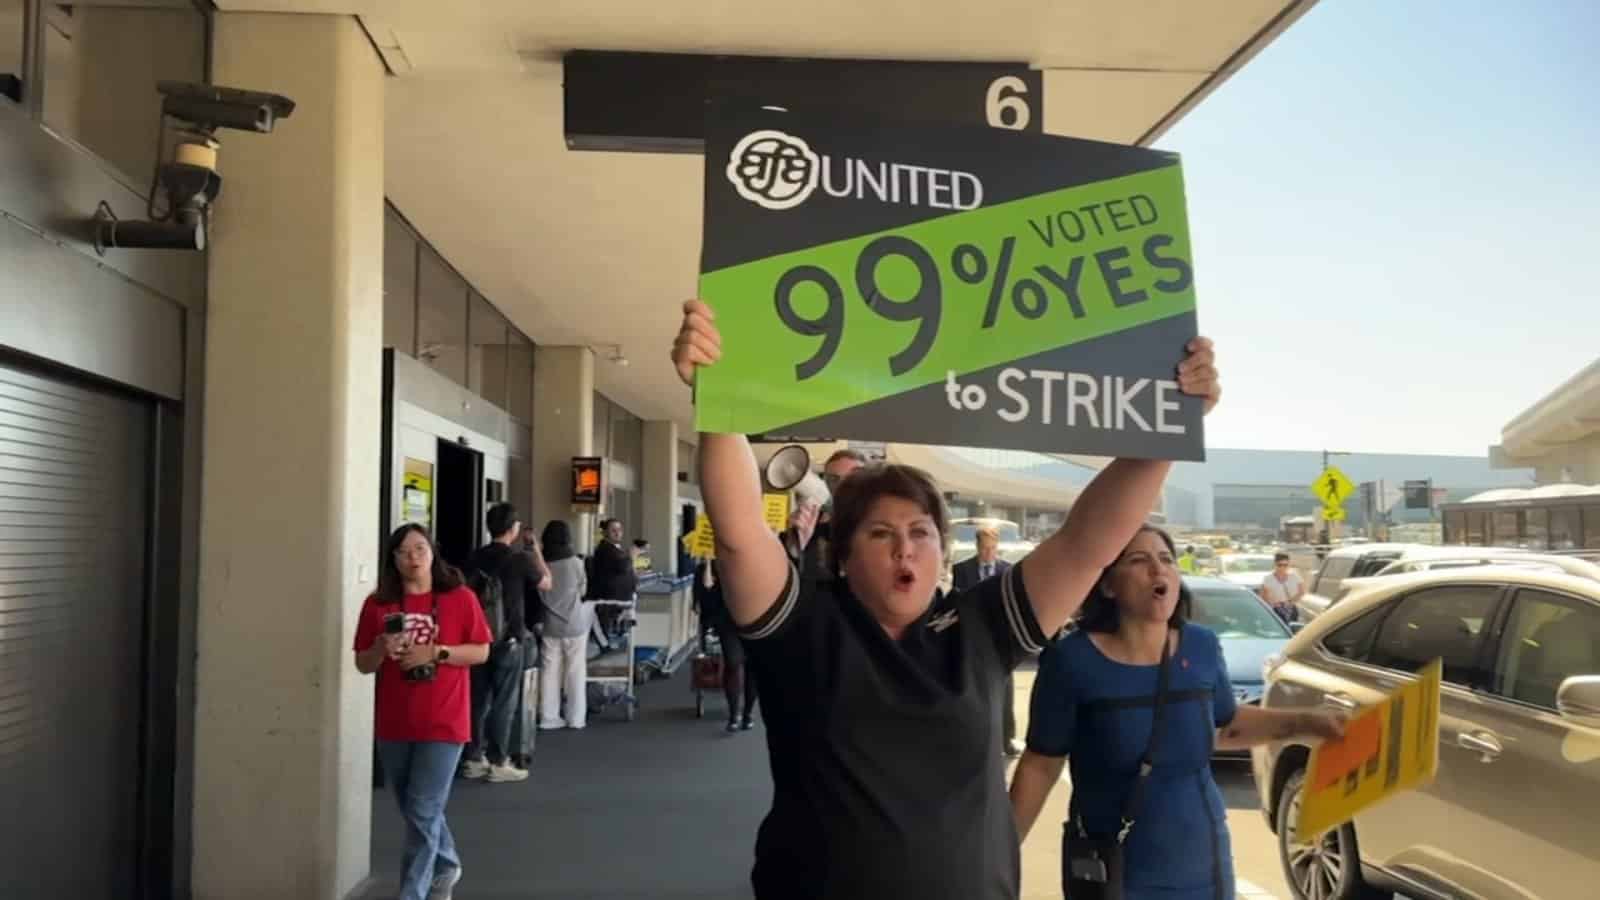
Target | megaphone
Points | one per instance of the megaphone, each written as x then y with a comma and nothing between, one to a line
790,470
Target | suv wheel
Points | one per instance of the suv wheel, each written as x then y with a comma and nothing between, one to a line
1329,868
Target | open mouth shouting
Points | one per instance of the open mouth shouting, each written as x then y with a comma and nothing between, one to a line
904,579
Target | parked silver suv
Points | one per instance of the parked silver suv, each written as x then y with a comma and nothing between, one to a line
1510,815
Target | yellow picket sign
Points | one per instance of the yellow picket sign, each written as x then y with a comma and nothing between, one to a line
775,508
701,543
1386,749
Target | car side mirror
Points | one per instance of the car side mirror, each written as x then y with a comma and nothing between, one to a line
1296,627
1579,699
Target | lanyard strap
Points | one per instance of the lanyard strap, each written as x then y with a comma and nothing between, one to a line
1146,763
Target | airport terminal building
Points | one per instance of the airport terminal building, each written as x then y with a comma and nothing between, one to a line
427,267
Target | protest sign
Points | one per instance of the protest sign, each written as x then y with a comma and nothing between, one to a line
1387,748
775,510
946,285
701,543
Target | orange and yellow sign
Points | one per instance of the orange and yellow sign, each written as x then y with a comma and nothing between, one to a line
587,485
1387,748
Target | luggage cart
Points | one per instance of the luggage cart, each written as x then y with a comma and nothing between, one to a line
612,670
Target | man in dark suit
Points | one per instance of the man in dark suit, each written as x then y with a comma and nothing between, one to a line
966,575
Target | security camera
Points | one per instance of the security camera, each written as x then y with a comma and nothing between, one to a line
207,107
189,181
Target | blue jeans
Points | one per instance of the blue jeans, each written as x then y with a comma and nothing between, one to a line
494,703
420,775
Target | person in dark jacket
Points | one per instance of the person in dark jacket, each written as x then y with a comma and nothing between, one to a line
495,686
965,576
713,609
613,577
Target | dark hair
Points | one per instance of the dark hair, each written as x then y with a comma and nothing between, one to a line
1187,549
391,586
556,541
1280,556
1099,612
606,525
500,519
857,493
847,453
640,543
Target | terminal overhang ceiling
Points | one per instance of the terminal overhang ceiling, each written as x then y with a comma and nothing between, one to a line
599,248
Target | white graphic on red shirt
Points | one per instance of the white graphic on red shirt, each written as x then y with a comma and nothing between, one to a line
420,629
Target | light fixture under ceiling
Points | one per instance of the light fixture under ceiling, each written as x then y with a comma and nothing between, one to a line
614,353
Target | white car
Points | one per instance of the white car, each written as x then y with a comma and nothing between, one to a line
1246,569
1509,815
964,539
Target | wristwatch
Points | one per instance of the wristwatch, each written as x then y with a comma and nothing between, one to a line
443,654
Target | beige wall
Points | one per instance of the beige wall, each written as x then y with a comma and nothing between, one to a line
1578,460
283,735
658,481
101,69
563,396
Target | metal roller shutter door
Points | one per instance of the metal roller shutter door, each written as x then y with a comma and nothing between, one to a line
75,473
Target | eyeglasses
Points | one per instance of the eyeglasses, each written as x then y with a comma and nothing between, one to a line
410,552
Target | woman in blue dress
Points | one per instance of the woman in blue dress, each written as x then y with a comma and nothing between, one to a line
1093,705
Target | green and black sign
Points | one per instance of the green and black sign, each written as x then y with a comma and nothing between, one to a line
960,286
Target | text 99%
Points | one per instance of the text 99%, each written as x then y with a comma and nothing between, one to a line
925,306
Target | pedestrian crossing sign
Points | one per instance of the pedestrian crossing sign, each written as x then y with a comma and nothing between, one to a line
1333,488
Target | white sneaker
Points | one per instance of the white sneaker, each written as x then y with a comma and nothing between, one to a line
444,884
505,773
552,726
475,768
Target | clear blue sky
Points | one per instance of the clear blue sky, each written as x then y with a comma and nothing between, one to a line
1396,220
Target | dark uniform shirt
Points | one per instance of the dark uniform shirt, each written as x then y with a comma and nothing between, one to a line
519,579
612,577
887,775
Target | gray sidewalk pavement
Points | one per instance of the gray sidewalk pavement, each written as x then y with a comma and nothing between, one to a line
665,806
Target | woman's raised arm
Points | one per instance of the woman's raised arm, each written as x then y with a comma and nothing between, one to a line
1059,572
751,561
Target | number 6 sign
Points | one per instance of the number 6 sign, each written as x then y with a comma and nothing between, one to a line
1006,106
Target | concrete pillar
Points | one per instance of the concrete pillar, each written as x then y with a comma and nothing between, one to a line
658,482
294,325
563,398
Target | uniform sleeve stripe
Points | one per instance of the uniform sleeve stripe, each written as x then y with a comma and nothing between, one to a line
776,614
1019,613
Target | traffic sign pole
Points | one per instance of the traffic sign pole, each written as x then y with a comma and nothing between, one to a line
1333,487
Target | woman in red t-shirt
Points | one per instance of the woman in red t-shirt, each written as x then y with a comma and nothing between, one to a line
420,632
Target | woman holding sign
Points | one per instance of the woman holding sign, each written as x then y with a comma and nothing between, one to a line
1138,698
883,704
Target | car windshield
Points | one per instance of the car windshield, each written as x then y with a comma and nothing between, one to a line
966,532
1234,564
1235,613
